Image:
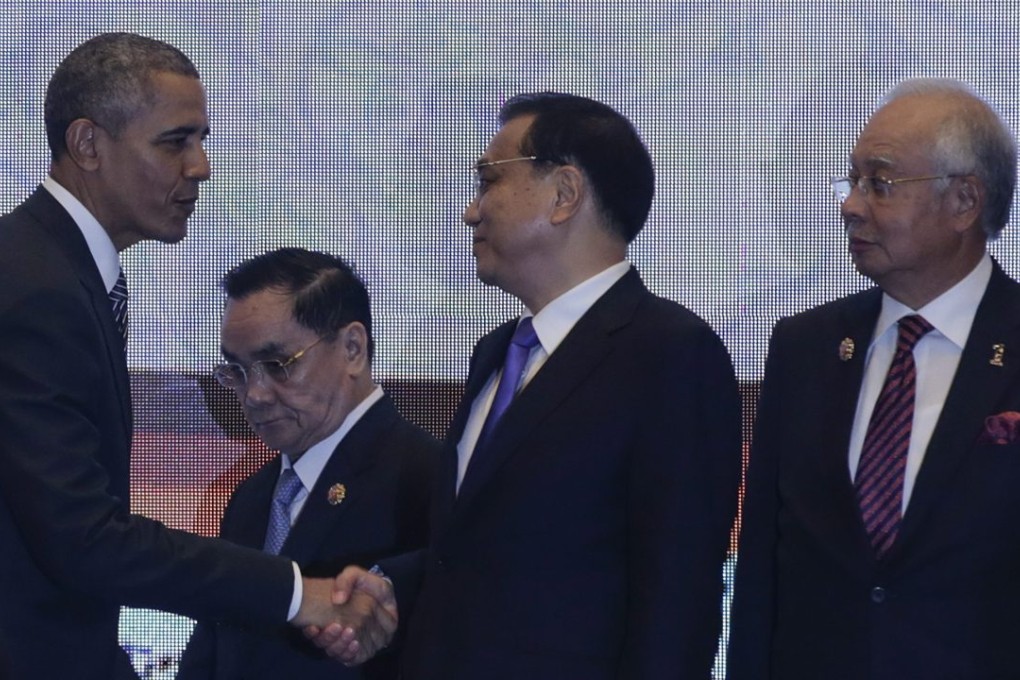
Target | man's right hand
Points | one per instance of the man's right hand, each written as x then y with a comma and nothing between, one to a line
361,617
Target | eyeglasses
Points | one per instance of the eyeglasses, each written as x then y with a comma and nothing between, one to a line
235,376
486,164
480,182
876,185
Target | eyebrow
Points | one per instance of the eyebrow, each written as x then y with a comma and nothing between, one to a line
877,162
270,350
185,130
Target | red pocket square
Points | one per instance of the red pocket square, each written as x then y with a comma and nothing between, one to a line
1002,428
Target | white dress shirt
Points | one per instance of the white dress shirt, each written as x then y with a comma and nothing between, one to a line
552,324
308,468
311,463
104,253
936,356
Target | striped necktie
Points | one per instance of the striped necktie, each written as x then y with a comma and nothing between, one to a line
878,483
119,300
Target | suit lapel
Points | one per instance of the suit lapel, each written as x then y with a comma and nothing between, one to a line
58,223
581,352
487,357
353,457
251,518
857,324
977,387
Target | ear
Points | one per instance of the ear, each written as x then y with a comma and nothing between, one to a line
353,343
968,201
80,137
571,189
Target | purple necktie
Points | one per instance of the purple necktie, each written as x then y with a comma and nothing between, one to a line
523,340
879,479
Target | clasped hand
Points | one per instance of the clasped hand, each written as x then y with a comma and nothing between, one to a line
351,617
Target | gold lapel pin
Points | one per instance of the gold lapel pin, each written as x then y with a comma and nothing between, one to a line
846,349
337,494
998,351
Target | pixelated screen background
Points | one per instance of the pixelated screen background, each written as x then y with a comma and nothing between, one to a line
351,127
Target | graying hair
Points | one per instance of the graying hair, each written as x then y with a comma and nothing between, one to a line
107,80
973,139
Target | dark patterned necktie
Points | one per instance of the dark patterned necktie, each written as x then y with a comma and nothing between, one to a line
879,480
287,488
119,300
524,339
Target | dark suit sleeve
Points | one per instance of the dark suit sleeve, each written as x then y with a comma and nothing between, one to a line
753,611
683,479
64,454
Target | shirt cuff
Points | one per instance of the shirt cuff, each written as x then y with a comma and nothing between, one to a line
299,591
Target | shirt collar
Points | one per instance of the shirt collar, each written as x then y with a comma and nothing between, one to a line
558,318
104,253
952,313
310,465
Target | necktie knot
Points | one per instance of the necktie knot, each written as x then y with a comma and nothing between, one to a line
287,487
523,341
525,336
911,330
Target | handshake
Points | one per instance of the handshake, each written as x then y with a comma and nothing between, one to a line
351,617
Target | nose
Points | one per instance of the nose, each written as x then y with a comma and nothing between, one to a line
258,392
470,216
853,209
196,166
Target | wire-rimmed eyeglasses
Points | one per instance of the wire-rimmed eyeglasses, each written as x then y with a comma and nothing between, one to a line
235,376
875,185
480,182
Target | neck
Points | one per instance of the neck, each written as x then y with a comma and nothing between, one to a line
919,292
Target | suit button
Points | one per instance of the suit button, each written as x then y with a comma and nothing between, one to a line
878,594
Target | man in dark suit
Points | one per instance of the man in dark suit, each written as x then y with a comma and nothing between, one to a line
879,537
582,534
126,119
297,330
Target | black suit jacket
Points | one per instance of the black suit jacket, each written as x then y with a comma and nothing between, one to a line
587,540
387,466
72,552
811,601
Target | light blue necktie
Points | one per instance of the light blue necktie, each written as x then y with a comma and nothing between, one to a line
287,488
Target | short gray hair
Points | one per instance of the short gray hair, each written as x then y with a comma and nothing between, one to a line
973,139
107,80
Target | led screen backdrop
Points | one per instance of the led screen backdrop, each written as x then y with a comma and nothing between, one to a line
351,127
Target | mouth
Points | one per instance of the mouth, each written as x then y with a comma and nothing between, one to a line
858,244
264,423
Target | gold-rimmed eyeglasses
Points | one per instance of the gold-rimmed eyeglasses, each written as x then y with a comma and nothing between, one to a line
235,376
480,182
487,164
875,185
